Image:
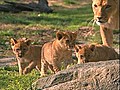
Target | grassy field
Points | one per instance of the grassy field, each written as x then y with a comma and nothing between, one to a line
67,15
11,80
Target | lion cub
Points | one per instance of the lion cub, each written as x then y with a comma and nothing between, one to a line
28,56
58,51
93,53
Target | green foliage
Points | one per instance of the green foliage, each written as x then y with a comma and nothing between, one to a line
11,80
61,19
6,33
70,1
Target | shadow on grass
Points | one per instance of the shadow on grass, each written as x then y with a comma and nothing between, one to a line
60,17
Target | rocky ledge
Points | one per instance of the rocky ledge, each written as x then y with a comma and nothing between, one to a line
103,75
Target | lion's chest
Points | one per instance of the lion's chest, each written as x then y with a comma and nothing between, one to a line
57,56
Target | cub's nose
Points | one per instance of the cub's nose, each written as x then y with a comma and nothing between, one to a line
20,54
81,56
71,46
99,18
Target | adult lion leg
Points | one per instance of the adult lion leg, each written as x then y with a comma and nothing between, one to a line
107,36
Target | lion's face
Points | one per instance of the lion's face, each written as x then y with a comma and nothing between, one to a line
66,39
20,47
103,10
84,53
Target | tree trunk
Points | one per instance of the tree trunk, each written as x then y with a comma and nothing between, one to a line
41,6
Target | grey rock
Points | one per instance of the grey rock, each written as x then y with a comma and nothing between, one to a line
103,75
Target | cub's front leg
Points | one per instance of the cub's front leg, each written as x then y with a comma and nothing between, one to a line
68,60
57,64
21,68
44,68
28,68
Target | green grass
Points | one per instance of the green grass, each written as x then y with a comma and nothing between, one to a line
11,80
70,1
61,19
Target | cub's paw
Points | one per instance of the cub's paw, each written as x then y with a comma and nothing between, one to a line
43,75
26,70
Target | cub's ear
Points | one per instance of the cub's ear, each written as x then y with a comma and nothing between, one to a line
92,47
59,35
24,38
13,41
77,48
28,42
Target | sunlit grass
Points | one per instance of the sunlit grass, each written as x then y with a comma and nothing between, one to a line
62,19
59,19
11,80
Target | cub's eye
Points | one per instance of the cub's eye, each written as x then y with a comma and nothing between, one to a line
12,44
88,55
24,49
108,6
95,5
74,41
17,49
67,41
81,56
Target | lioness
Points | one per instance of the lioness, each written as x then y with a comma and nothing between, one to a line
94,53
106,14
55,52
28,56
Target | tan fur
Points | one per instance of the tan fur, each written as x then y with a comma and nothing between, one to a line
58,51
106,15
94,53
28,56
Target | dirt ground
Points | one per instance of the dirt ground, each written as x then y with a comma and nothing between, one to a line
10,61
